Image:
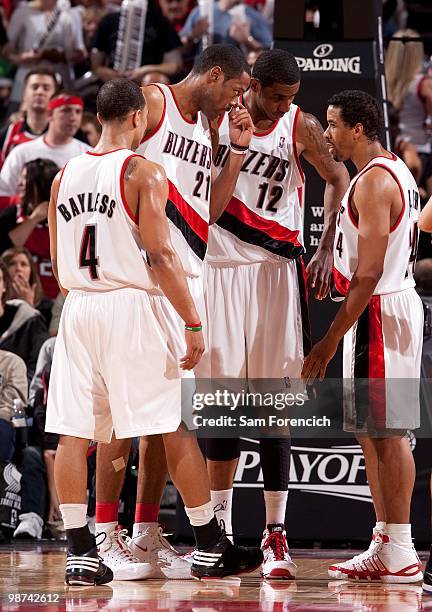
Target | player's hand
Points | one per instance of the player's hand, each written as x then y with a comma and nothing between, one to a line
315,364
194,349
319,272
23,289
241,127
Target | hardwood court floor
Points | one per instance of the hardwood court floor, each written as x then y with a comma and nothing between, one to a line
38,570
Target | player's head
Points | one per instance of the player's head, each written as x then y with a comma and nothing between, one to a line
121,105
65,114
223,74
354,117
275,82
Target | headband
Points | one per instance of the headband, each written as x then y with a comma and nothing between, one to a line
65,101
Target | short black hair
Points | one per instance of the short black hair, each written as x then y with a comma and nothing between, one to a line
44,70
230,59
359,107
276,66
39,177
117,98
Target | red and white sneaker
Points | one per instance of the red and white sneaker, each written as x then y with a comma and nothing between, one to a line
339,571
390,563
277,562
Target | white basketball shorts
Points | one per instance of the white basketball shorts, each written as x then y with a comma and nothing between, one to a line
258,325
381,364
116,365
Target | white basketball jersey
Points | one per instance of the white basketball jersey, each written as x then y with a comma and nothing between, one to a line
183,149
98,243
403,239
264,219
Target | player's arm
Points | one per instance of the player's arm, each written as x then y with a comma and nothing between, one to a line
425,218
52,225
310,136
240,131
374,194
165,263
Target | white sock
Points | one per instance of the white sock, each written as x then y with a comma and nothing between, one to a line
399,533
275,506
380,526
201,515
105,527
222,506
139,528
74,515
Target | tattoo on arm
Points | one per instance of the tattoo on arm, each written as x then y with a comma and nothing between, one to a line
130,168
314,142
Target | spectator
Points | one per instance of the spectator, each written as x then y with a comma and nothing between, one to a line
22,327
91,128
176,11
58,145
410,92
13,385
25,224
234,23
160,50
42,31
56,314
26,284
39,86
402,147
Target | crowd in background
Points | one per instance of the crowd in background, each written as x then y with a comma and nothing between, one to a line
54,56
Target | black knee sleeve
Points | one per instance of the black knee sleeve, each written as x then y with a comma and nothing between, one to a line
222,449
275,456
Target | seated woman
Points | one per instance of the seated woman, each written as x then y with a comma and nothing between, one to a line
26,284
25,224
22,327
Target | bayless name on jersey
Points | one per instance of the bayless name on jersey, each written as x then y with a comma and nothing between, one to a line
83,203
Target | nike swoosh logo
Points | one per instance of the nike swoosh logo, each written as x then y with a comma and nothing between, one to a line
143,548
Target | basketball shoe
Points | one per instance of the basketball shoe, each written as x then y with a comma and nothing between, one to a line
427,579
151,547
225,559
115,553
277,561
390,563
86,569
339,570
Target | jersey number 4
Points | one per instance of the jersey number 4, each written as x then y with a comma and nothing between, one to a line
88,258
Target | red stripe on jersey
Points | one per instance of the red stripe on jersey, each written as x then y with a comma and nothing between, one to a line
377,391
189,214
276,231
129,213
296,155
341,283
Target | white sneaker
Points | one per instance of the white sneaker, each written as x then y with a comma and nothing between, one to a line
151,547
277,561
392,562
189,556
115,553
30,526
339,571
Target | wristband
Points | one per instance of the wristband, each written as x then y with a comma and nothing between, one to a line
193,328
238,152
237,147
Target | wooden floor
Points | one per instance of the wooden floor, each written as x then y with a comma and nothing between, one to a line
35,572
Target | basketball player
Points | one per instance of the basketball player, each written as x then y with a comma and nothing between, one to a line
254,277
178,138
116,356
381,321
